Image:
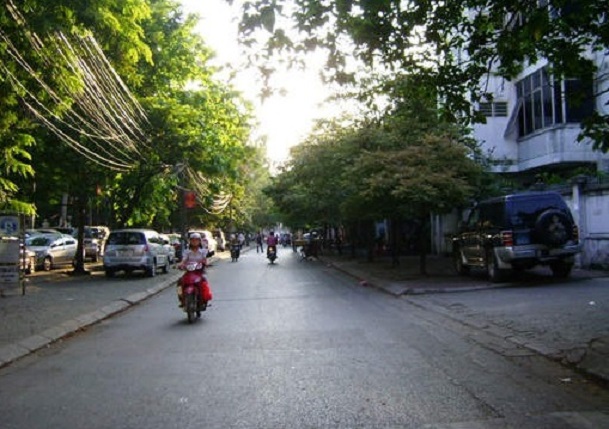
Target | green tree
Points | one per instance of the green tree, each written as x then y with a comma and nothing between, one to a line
453,44
405,165
40,44
188,137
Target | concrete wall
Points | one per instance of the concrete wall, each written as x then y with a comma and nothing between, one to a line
589,204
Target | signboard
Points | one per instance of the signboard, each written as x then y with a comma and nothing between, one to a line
190,200
9,251
10,246
9,225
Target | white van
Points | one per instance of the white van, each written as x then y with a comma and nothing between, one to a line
135,249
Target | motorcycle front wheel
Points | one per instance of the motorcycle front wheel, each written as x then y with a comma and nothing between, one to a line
190,305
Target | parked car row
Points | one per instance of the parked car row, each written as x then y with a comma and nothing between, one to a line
93,241
124,250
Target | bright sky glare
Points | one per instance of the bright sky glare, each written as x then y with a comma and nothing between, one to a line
285,120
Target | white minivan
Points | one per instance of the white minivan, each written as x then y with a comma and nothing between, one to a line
135,249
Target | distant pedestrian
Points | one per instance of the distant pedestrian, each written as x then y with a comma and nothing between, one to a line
259,242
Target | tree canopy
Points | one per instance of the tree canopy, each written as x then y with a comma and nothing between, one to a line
126,120
405,165
453,44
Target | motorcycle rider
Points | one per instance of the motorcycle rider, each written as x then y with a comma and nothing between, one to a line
196,253
235,246
271,241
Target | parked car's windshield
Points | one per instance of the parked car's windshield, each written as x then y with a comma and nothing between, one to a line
126,238
38,241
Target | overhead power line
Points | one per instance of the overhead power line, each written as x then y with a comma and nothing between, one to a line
102,121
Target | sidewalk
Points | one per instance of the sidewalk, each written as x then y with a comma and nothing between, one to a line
58,304
406,279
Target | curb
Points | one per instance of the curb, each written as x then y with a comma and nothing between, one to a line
397,290
13,352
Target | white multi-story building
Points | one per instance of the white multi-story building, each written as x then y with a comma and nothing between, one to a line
533,121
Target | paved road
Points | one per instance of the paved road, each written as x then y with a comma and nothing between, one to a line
563,320
293,345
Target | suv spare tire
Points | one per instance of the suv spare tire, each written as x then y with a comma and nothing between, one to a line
553,228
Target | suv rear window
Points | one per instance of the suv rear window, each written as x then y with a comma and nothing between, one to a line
525,211
126,238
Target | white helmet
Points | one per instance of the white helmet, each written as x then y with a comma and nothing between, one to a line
195,235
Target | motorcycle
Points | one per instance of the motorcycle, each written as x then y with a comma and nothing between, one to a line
271,253
189,291
235,250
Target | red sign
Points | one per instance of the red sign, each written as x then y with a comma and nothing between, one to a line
190,200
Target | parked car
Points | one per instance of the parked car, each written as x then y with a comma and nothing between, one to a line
517,232
171,251
212,244
38,231
52,250
27,260
64,229
94,241
135,249
176,241
220,239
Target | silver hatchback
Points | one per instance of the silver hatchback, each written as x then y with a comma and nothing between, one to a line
52,250
135,249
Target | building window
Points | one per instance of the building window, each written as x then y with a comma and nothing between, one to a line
496,108
543,99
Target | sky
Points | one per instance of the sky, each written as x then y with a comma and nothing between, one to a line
285,120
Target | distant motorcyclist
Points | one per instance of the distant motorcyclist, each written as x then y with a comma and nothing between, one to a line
271,240
271,243
235,247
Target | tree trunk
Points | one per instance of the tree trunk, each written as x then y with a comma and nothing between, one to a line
423,242
353,239
394,233
79,260
370,242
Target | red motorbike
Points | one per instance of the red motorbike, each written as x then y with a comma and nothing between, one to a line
193,291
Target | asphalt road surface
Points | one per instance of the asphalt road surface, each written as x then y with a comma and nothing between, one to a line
292,345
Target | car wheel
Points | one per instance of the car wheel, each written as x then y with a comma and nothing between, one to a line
31,266
47,264
495,274
166,266
561,269
460,267
151,271
110,273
